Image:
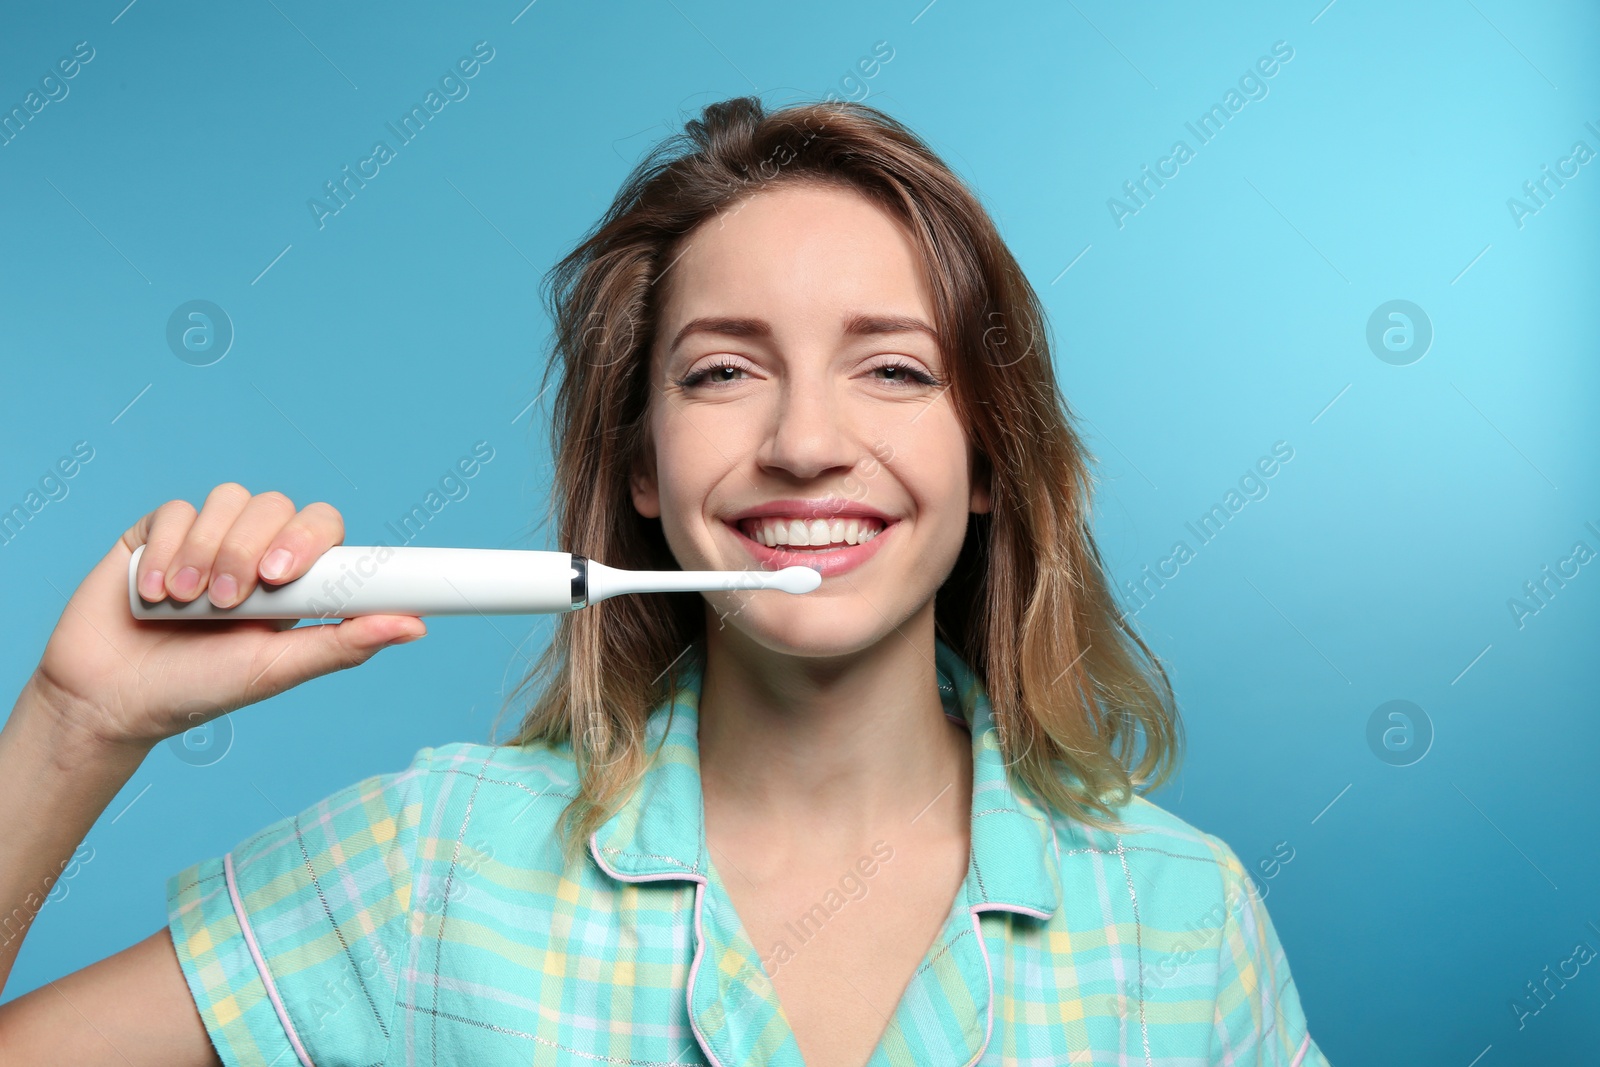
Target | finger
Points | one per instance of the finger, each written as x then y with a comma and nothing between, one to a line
191,565
160,532
233,574
307,652
303,540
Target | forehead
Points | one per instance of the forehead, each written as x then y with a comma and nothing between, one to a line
798,255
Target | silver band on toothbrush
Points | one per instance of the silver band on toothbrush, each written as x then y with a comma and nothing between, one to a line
580,582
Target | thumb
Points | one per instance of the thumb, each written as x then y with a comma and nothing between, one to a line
305,652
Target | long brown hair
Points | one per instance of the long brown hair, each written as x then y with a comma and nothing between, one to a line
1028,605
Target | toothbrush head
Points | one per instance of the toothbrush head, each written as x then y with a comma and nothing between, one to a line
797,579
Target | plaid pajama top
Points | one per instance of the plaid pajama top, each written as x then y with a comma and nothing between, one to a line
425,917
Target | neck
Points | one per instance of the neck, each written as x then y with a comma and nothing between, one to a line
829,751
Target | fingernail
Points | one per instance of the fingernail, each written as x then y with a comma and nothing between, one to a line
276,565
187,581
150,588
223,590
403,640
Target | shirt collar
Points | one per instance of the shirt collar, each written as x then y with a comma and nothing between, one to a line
659,831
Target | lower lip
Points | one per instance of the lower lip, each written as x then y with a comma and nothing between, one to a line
829,561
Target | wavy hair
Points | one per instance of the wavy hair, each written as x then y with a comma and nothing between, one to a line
1028,605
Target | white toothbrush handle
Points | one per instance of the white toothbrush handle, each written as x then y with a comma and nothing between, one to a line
350,580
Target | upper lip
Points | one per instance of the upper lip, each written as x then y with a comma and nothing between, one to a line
814,508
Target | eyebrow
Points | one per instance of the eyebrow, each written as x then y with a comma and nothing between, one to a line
854,326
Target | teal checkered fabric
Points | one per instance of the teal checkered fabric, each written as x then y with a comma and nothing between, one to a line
425,917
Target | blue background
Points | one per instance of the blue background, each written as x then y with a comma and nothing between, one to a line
1229,313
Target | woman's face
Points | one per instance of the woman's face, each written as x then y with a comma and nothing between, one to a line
787,373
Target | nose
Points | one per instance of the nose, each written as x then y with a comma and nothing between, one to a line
810,433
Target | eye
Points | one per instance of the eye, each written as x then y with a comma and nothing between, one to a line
913,375
713,372
905,374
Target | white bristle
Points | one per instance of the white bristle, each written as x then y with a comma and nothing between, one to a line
799,579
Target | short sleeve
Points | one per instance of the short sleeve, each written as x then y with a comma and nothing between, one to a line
291,943
1258,1019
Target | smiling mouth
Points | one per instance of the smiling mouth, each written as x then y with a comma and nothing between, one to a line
833,554
811,535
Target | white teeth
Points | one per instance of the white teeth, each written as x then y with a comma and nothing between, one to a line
812,532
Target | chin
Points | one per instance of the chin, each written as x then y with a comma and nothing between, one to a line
817,634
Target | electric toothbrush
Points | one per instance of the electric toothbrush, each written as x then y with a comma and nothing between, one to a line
351,580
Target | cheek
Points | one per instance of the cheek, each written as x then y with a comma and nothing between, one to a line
687,466
933,464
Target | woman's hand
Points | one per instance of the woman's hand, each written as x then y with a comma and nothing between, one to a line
133,682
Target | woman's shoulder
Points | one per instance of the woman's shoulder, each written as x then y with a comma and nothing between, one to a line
498,773
1201,922
1181,877
539,760
363,869
482,794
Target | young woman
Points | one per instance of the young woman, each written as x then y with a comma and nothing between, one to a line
894,821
